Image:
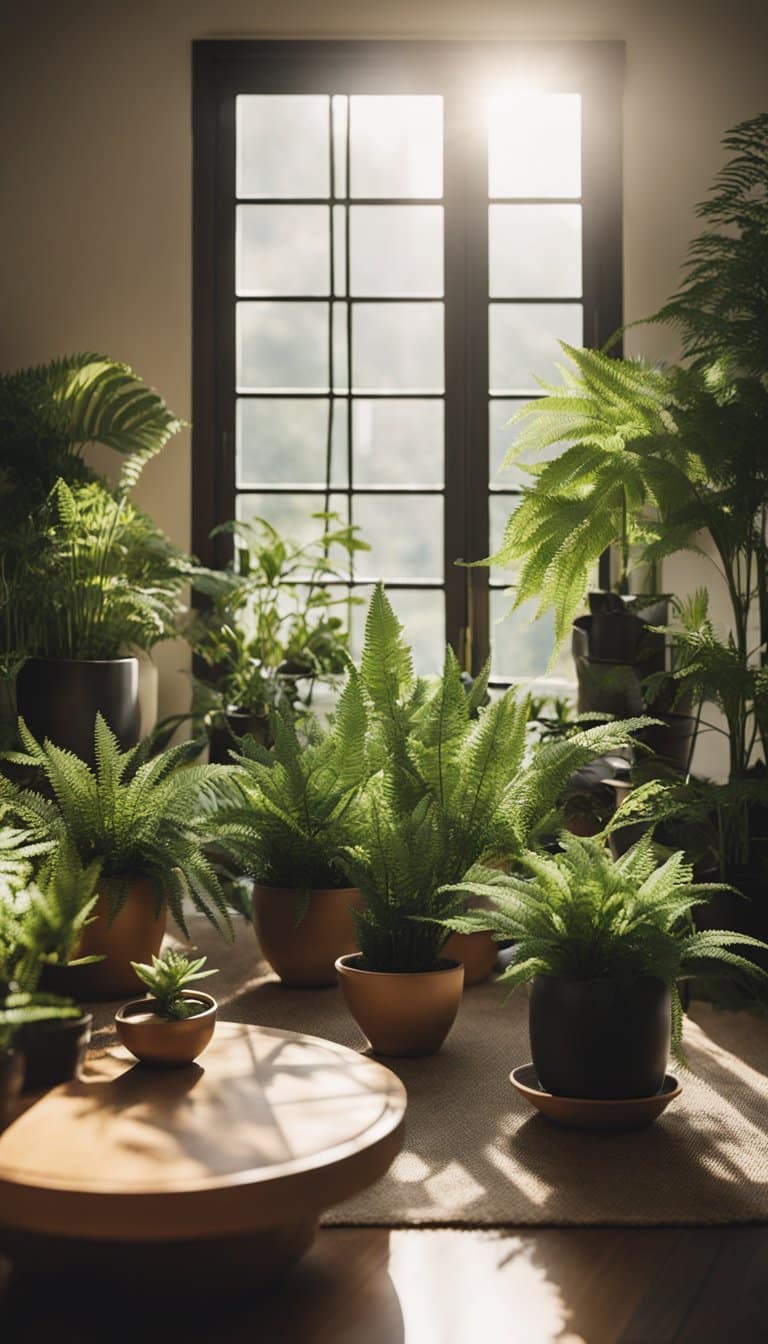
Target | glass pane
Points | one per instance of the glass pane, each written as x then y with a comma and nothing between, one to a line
293,515
340,113
340,363
534,144
283,249
396,146
521,646
535,251
398,347
405,533
503,436
283,145
339,249
282,345
422,612
524,343
283,442
398,442
397,249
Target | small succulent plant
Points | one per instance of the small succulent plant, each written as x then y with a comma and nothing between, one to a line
167,978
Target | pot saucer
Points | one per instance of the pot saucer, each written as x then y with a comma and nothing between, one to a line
586,1113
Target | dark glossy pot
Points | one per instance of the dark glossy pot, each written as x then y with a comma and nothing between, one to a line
53,1051
223,740
613,689
11,1082
618,630
606,1039
672,740
59,698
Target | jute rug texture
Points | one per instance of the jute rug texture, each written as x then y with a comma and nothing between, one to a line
477,1155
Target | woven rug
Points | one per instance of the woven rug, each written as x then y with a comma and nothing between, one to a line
477,1155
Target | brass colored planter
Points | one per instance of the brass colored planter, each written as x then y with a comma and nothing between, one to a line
477,953
161,1041
406,1015
304,954
135,934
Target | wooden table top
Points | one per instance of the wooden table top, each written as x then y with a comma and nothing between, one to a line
268,1127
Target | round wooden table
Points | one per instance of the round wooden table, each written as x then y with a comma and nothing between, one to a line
227,1162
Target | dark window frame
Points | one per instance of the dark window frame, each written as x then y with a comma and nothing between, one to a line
222,70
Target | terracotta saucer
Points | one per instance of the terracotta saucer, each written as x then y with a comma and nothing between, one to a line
585,1113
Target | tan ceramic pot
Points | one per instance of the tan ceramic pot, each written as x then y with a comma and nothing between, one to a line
134,935
406,1014
160,1041
477,952
304,954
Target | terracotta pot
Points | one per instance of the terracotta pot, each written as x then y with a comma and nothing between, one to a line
402,1014
477,953
11,1082
135,934
161,1041
304,954
59,698
600,1038
53,1051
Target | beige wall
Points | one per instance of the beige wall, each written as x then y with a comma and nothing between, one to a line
95,148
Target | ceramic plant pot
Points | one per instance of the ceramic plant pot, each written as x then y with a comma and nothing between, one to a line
304,954
59,698
160,1041
477,953
405,1015
603,1039
239,723
11,1083
135,934
53,1051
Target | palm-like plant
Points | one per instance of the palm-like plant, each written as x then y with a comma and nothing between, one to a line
137,817
580,916
286,833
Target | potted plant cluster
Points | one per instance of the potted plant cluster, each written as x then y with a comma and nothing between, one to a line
286,835
86,579
151,825
174,1023
41,924
674,458
267,629
605,946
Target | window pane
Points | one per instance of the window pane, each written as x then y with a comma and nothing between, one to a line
398,347
405,533
396,146
339,249
524,342
340,113
282,442
397,249
502,437
293,514
283,145
398,442
535,251
534,144
422,613
282,345
521,646
283,249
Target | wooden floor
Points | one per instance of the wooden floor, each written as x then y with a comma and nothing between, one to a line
373,1286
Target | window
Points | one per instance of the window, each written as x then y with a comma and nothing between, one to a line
390,238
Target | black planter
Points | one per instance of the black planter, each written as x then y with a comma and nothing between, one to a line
239,723
614,651
11,1080
53,1051
672,740
59,698
603,1039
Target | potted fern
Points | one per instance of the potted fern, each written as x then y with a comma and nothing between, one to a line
151,825
605,946
41,926
174,1024
286,836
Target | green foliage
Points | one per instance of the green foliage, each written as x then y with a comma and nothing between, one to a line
296,793
168,977
721,306
581,916
271,620
138,817
450,783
